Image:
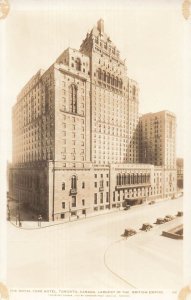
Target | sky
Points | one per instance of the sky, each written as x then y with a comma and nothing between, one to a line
150,35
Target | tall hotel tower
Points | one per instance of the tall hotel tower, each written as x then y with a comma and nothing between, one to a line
78,143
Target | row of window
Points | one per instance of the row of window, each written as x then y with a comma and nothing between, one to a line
109,79
101,196
101,175
72,213
123,179
73,202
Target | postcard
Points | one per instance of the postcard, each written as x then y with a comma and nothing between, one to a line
95,149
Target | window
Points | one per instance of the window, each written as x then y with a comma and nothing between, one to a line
170,129
95,198
101,183
107,197
99,74
101,197
83,184
83,202
63,205
134,90
73,98
73,182
62,216
73,201
78,64
114,196
63,186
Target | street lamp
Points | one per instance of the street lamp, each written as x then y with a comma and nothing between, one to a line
69,211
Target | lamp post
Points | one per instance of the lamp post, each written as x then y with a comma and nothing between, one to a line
53,190
69,211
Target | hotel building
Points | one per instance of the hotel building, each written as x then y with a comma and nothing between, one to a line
79,145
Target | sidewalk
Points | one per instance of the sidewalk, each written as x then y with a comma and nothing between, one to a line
32,225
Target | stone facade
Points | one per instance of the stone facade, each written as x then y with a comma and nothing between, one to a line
78,143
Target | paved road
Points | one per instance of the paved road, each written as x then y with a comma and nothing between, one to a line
71,255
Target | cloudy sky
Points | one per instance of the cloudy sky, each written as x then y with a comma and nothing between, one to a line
149,34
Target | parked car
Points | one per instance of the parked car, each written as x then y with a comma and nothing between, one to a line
168,218
160,221
151,202
127,207
146,226
180,213
129,232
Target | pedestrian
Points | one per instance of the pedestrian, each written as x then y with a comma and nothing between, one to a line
17,218
39,220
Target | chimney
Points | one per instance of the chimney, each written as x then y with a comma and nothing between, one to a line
100,26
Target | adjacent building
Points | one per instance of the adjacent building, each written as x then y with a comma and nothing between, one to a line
79,145
180,173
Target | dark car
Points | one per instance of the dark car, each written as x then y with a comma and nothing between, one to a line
151,202
129,232
180,213
127,207
168,218
160,221
146,226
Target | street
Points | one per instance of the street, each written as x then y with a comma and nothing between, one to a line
91,253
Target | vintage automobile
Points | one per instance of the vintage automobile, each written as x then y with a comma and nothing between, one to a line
129,232
127,207
180,213
151,202
160,221
146,226
168,218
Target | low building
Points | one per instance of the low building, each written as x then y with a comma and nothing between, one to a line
180,173
64,192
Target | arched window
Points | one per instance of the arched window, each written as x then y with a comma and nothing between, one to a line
73,98
123,179
99,74
117,82
73,182
78,64
128,179
120,83
108,78
104,76
119,179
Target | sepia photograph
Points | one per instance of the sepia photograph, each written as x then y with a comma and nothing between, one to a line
92,139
